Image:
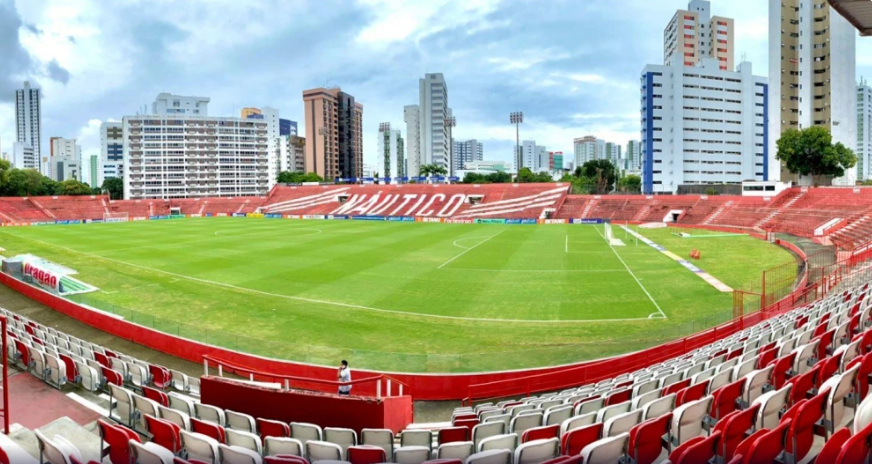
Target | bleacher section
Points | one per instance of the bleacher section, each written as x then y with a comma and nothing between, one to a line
793,387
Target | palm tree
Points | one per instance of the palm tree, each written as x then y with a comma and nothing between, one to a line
432,169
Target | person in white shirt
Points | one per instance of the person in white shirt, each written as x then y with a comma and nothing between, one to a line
344,375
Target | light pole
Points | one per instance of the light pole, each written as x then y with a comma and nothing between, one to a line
323,132
516,118
450,122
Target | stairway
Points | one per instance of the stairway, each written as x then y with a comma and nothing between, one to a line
203,208
588,208
778,211
241,207
717,213
105,206
86,438
642,213
39,206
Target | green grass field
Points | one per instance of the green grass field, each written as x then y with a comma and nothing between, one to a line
414,297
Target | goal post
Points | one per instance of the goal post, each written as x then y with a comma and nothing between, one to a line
610,236
115,217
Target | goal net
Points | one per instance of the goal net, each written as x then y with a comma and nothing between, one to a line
115,217
610,236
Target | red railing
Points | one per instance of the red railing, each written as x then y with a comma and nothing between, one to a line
306,383
5,379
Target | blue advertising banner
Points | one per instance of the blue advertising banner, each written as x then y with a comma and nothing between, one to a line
208,214
490,221
401,218
368,218
156,218
337,216
273,216
587,221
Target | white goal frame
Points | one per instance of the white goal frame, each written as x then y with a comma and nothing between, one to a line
116,217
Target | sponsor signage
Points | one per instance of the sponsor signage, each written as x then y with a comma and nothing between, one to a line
405,219
369,218
490,221
313,216
338,217
459,221
272,216
176,216
44,277
208,214
140,218
195,215
427,219
587,221
294,216
553,221
238,214
255,215
157,218
221,214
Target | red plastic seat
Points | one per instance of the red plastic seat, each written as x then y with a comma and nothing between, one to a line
866,341
697,450
733,428
285,459
724,398
271,428
461,417
833,447
164,433
4,458
160,376
764,445
675,387
71,371
646,439
766,356
444,461
156,395
820,329
112,376
364,454
800,435
539,433
453,434
619,397
575,440
577,459
691,393
468,423
209,429
118,441
863,374
782,367
804,383
829,367
856,449
24,351
102,359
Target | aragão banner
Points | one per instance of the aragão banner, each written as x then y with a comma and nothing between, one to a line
44,277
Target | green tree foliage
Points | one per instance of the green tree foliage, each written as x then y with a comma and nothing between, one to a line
288,177
492,178
74,187
114,186
23,182
811,152
630,183
528,176
601,173
432,169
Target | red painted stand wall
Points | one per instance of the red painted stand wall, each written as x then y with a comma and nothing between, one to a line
324,409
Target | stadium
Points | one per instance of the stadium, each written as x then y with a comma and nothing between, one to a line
608,313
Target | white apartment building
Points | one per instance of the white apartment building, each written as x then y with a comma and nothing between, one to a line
434,136
633,155
28,121
466,151
23,156
390,156
812,72
702,125
613,153
694,35
168,104
588,148
66,159
271,118
291,153
412,118
111,151
864,131
194,156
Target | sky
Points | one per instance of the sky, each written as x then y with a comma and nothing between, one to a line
572,66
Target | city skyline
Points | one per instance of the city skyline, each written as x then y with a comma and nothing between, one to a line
88,69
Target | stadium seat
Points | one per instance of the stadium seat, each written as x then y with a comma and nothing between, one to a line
482,431
699,450
494,456
323,451
692,393
833,446
285,459
240,421
149,453
800,434
164,433
209,429
771,403
856,448
541,433
840,386
121,408
456,450
687,420
733,428
521,423
411,454
756,381
622,423
208,413
114,442
157,396
725,399
340,436
144,406
537,451
238,455
605,451
366,454
241,439
646,439
182,420
56,451
803,384
383,438
508,441
658,407
160,377
573,441
275,446
555,415
200,447
304,432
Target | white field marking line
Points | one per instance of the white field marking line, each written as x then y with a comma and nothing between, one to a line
331,303
464,239
470,249
662,314
567,244
88,404
588,271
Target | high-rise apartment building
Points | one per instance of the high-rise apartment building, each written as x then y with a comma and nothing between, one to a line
864,131
66,159
534,157
432,142
613,153
334,133
812,75
633,156
194,156
291,153
250,113
588,148
111,151
28,120
702,125
412,118
287,127
167,104
465,151
23,156
694,35
390,156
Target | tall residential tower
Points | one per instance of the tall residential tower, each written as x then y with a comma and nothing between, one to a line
334,133
28,119
694,34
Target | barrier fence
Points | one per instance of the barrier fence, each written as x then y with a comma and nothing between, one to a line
4,381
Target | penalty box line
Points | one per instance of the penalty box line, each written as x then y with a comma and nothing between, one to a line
662,315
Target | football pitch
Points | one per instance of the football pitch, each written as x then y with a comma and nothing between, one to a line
410,297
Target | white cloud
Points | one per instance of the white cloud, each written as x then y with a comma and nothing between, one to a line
88,138
398,20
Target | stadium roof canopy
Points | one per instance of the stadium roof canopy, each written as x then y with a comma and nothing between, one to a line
857,12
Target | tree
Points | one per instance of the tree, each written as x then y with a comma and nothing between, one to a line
630,183
811,152
23,182
288,177
74,187
602,173
48,187
114,186
528,176
432,169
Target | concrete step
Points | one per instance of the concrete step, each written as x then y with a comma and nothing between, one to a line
86,438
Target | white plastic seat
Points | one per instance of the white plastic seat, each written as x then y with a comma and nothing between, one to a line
590,406
687,420
608,412
341,436
323,451
39,368
137,375
515,410
383,438
143,407
840,386
55,451
719,380
179,381
771,403
244,439
577,421
455,450
282,445
804,353
508,441
606,450
209,413
238,455
199,446
754,383
89,378
521,423
240,421
555,415
504,418
537,451
57,371
645,398
622,423
863,414
494,456
744,368
658,407
482,431
121,409
411,454
304,432
176,417
184,404
149,453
